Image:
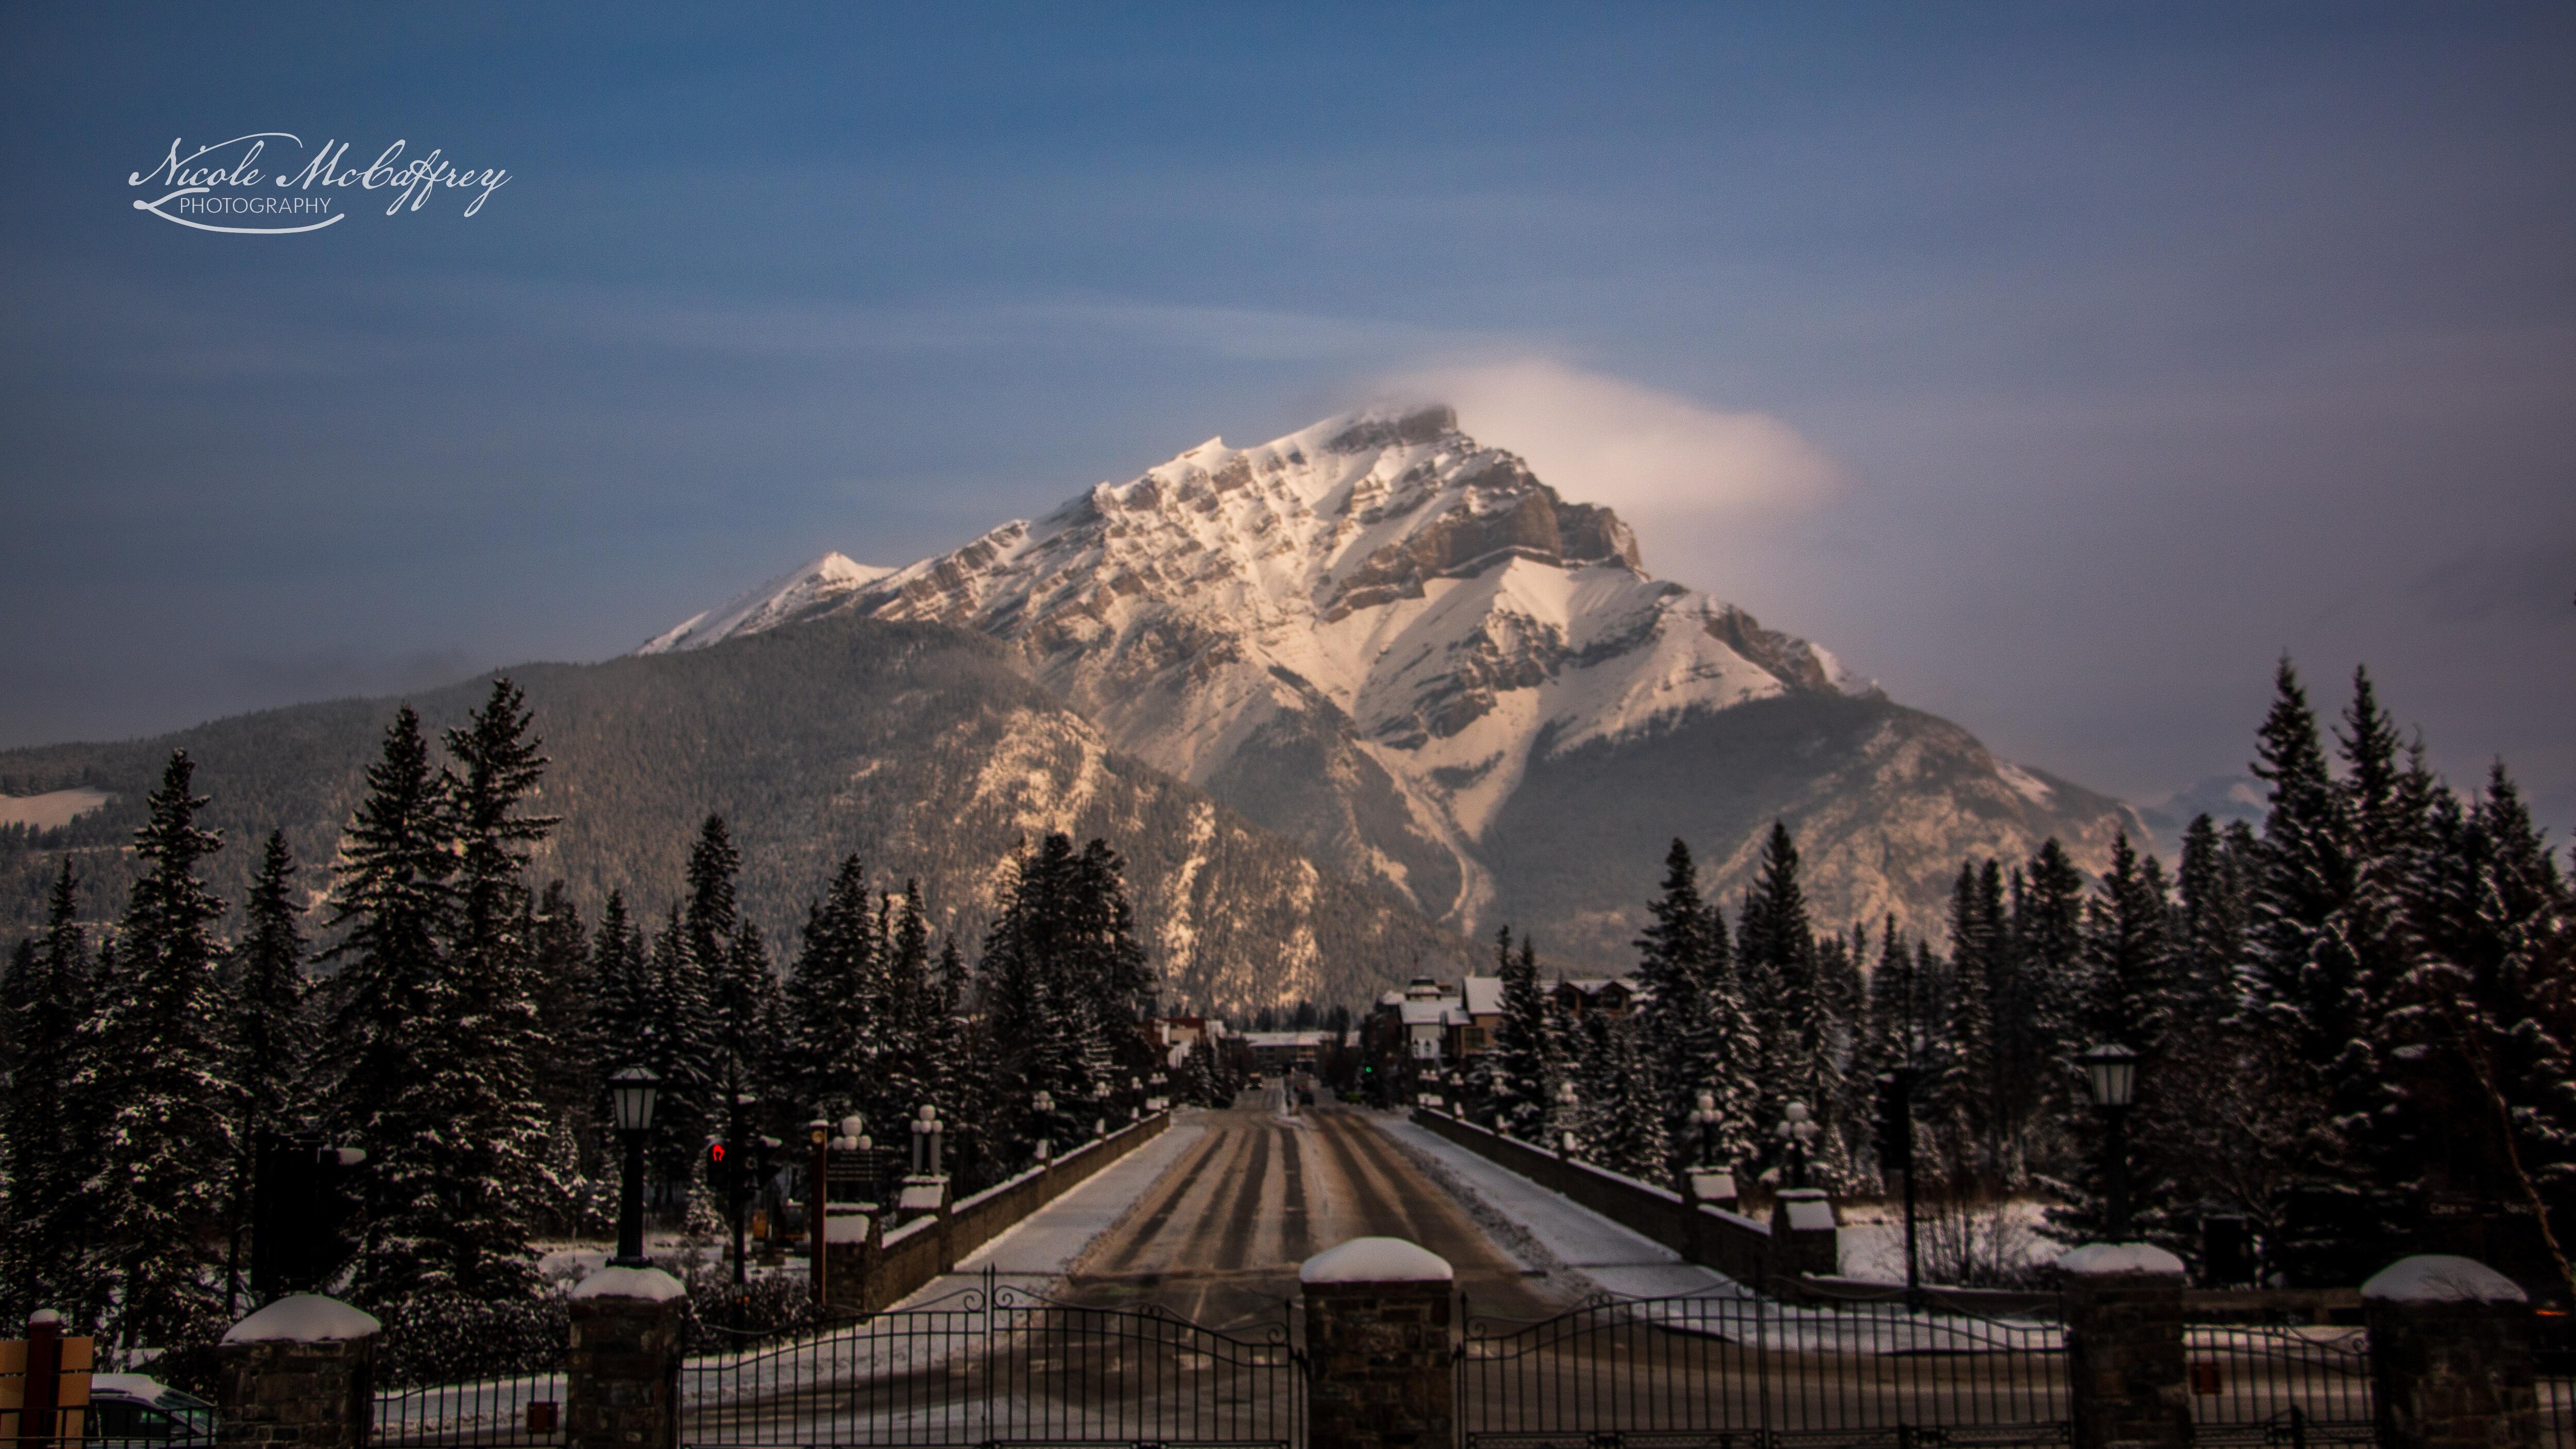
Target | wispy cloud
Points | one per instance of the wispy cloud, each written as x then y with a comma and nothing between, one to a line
1652,455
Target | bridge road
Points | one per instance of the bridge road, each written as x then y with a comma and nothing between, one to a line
1218,1237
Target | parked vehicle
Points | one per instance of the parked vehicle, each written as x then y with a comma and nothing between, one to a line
132,1411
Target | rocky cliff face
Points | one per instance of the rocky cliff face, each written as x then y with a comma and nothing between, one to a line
1398,647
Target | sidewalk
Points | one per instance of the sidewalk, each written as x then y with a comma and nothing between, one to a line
1035,1253
1589,1245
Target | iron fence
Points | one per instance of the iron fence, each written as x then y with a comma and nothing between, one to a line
997,1363
524,1411
2299,1387
1744,1372
2557,1395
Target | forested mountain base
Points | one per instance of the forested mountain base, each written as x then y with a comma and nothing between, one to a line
914,745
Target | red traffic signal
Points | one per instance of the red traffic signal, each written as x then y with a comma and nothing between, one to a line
715,1152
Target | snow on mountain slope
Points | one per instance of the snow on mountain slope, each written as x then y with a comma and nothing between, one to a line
795,594
1364,634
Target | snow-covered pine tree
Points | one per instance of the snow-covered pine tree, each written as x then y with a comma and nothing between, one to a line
497,766
271,1031
1516,1083
161,1072
1628,1134
1672,965
1730,1060
272,1035
1964,1077
910,1064
566,987
2492,1003
44,1232
2035,1033
2128,955
686,1044
835,1003
2210,921
1776,956
622,1022
2306,979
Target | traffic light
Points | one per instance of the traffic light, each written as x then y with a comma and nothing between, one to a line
305,1198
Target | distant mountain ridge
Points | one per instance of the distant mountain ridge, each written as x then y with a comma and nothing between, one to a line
1388,641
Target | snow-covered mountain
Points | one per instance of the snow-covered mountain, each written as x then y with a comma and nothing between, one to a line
1376,635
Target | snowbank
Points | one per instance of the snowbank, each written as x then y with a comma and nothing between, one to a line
650,1283
2440,1278
304,1318
1376,1260
2094,1259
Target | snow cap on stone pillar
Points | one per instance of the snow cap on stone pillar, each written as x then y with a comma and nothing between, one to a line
647,1283
1376,1260
2100,1260
304,1318
2440,1278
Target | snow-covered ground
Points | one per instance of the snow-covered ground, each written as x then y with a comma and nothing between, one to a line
1872,1240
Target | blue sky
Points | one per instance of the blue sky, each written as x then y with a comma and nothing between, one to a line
2120,347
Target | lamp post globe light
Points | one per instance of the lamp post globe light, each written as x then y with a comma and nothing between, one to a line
1704,1120
1566,1101
631,1097
2112,1071
1042,1103
926,1132
1798,1130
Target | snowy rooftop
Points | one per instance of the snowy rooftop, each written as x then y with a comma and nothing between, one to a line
2441,1278
303,1318
1376,1260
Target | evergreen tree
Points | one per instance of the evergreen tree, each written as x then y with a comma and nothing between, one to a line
44,1128
2306,979
406,1084
2210,928
1628,1135
272,1039
2129,996
835,1002
1776,955
567,989
1967,1073
160,1073
501,1139
1672,965
1513,1077
622,1020
687,1053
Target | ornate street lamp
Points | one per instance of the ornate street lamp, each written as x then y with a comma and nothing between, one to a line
2112,1070
631,1097
1704,1119
1042,1103
1566,1102
1798,1130
926,1132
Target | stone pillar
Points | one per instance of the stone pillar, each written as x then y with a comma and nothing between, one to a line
2450,1356
850,1244
302,1372
1378,1344
2124,1361
1804,1238
622,1378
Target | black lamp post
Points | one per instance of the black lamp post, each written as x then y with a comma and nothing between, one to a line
631,1095
1798,1130
2113,1071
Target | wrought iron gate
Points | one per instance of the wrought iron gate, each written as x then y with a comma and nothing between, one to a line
2301,1388
998,1365
1749,1373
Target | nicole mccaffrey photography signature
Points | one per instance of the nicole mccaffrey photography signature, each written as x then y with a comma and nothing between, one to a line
216,183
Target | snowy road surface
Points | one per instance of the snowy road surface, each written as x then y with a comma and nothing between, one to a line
1218,1238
